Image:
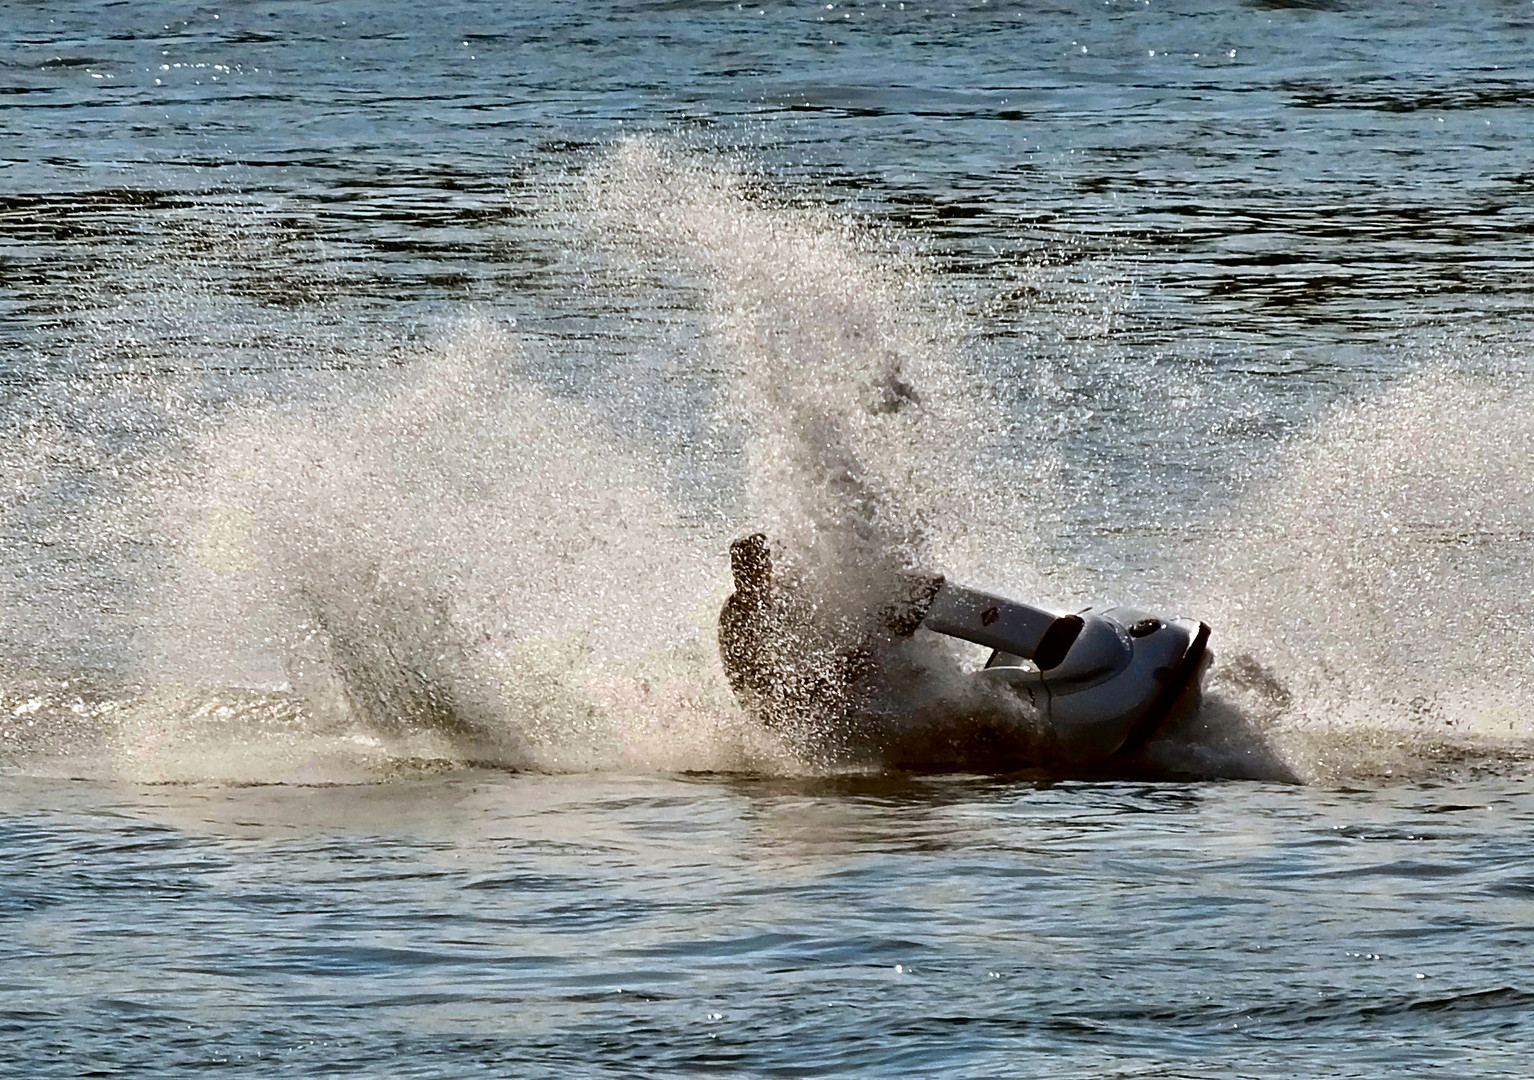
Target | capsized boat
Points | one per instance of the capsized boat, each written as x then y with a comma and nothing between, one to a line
1095,685
1103,680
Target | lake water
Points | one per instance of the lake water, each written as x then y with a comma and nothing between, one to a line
381,386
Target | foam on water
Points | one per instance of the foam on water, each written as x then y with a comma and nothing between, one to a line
462,566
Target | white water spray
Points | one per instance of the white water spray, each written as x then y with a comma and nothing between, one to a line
461,567
1374,603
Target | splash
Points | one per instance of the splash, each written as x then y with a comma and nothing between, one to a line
457,565
864,436
865,433
465,570
1373,603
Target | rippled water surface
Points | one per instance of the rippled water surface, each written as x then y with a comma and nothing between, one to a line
555,926
381,384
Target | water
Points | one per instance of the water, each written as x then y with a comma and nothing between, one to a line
539,926
380,394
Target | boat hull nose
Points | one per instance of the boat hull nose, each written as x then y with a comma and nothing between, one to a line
1127,674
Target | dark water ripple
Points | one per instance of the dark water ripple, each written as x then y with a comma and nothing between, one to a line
1211,930
1154,142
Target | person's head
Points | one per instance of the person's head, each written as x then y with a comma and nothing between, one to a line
751,563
